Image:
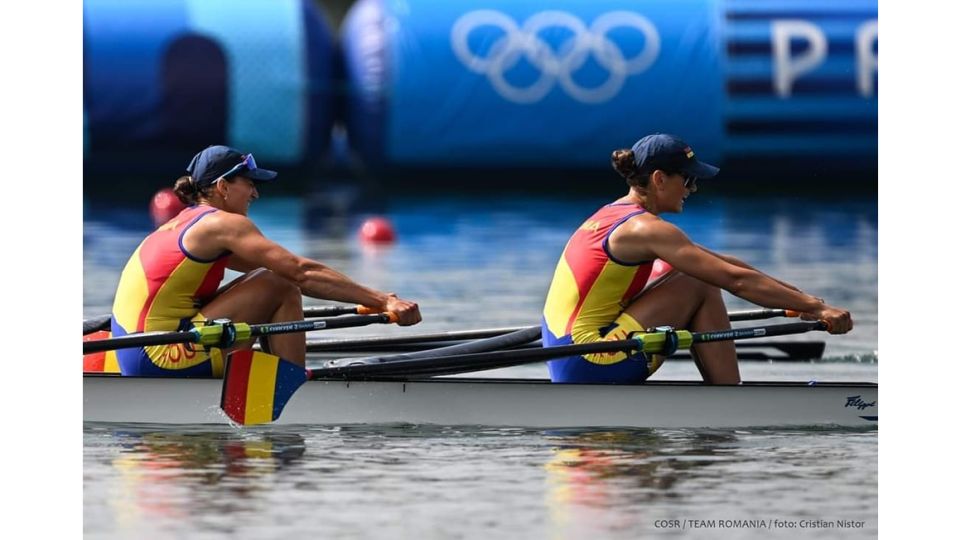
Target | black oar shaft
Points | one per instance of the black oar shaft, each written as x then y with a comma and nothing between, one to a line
194,336
102,322
461,363
523,356
318,324
385,342
788,350
96,324
759,332
133,341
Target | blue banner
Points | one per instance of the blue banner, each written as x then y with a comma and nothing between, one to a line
517,83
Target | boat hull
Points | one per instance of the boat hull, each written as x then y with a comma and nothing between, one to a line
496,402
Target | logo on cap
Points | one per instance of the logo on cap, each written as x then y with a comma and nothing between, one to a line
688,151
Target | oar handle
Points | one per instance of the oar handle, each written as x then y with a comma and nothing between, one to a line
330,311
757,314
760,331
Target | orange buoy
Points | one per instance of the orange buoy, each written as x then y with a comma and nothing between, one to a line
164,206
377,230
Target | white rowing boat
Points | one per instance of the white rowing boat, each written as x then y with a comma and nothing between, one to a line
497,402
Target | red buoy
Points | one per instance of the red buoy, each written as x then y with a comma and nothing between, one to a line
164,206
377,230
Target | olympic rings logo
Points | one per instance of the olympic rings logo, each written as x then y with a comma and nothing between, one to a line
525,43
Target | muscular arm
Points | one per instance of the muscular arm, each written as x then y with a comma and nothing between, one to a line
251,249
650,238
737,262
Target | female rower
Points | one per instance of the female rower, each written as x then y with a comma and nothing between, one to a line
615,278
170,282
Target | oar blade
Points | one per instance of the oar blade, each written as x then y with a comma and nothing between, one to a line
257,386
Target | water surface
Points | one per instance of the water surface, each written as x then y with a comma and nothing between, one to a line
487,262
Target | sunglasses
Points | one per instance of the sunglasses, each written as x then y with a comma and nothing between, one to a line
248,163
689,182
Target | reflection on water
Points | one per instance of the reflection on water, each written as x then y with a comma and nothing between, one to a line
161,476
598,476
442,482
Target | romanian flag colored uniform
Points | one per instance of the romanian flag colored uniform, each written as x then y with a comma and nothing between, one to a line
585,304
162,288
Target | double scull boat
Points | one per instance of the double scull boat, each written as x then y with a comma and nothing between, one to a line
417,387
496,402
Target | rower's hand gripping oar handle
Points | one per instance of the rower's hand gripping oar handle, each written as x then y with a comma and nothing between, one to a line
223,333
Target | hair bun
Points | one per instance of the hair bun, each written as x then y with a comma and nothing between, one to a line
623,163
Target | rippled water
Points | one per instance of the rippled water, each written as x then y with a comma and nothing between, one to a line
417,482
475,263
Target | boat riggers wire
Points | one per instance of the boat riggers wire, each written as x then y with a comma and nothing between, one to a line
217,333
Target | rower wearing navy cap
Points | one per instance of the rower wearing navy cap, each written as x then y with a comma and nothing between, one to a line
626,269
170,282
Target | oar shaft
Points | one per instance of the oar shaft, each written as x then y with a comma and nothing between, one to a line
384,342
212,335
759,331
522,356
788,350
102,322
321,324
460,363
139,340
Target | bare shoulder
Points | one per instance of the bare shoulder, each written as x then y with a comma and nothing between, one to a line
647,226
229,222
634,239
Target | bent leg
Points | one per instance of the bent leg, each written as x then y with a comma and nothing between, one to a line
263,297
682,301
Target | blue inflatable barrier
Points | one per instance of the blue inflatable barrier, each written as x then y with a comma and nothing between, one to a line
517,83
171,76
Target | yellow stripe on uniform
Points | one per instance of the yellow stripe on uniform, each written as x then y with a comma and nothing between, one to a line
261,388
126,310
602,303
561,300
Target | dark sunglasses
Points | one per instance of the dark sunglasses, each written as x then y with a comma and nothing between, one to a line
689,182
248,163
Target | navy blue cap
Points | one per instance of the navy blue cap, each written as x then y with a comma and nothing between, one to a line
215,161
669,153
